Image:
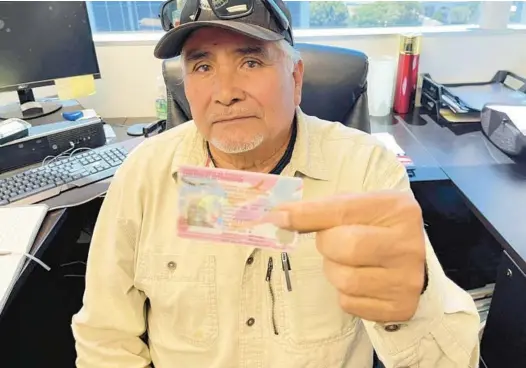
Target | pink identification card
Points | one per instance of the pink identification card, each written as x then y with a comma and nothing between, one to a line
230,206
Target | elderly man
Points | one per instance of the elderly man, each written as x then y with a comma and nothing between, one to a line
363,275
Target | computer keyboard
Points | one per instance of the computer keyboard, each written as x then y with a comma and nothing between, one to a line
61,174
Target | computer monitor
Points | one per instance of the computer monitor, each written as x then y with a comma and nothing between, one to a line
41,41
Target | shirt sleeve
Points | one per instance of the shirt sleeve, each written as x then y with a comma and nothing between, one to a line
108,328
443,333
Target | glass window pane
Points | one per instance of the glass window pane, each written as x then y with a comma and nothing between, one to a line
124,16
128,16
518,12
372,14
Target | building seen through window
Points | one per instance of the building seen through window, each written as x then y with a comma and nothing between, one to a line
142,16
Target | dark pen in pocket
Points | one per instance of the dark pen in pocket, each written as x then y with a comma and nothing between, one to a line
285,263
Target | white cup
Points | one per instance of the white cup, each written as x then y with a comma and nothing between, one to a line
380,85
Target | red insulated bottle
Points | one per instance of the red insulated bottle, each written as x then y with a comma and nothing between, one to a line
407,75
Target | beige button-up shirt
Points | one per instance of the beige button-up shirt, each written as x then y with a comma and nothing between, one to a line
200,304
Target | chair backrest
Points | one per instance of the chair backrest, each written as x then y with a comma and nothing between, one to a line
334,86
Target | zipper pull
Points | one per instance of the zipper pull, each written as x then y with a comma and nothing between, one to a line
270,266
285,263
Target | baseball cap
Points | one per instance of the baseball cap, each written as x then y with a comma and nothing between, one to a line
255,18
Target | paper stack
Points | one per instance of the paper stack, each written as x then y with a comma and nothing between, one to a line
390,143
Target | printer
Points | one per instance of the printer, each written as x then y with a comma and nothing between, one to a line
505,126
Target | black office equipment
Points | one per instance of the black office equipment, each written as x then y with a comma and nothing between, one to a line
504,336
456,104
51,140
42,41
61,174
505,126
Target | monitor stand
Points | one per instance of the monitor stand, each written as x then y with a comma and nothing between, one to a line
28,108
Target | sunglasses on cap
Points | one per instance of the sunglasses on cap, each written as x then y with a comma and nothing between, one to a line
223,10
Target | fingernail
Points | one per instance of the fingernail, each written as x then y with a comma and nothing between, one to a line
279,219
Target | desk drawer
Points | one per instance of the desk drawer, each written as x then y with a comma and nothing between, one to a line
466,250
504,339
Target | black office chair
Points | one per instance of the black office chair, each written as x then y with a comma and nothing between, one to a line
334,86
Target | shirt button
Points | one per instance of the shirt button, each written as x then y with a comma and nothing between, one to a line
392,328
250,322
250,260
172,265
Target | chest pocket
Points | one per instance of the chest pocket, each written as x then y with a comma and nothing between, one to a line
182,295
311,313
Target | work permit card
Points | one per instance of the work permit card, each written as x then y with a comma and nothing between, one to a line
231,206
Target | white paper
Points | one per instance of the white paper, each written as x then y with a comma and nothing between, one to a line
517,115
390,143
19,226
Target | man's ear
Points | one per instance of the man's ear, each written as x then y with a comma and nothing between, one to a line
298,82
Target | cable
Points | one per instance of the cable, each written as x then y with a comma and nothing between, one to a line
65,153
5,252
73,263
80,149
53,158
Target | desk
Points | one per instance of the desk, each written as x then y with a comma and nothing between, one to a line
55,218
425,167
493,184
494,188
475,168
34,325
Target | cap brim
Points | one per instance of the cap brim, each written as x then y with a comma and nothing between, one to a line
171,44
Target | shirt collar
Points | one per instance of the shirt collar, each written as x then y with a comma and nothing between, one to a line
307,157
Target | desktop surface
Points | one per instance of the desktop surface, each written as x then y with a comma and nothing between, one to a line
493,184
424,167
450,149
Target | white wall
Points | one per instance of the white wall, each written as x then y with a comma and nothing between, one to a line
129,70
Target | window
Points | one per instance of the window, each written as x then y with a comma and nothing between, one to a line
374,14
124,16
142,16
518,12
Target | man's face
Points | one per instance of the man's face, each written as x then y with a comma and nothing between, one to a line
242,92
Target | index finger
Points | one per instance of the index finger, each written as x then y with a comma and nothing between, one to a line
375,209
